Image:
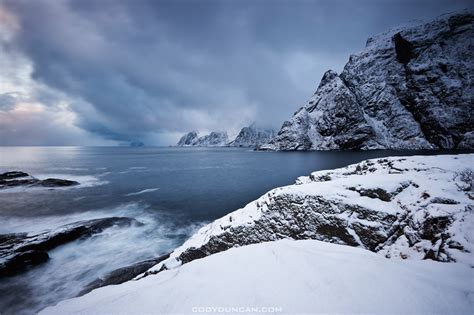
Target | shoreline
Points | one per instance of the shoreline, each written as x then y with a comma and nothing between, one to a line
410,183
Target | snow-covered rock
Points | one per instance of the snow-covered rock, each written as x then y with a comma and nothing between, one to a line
188,139
418,207
410,88
211,140
289,277
253,136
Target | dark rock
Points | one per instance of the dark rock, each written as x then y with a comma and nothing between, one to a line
19,251
19,179
403,48
433,227
12,174
123,274
22,261
55,182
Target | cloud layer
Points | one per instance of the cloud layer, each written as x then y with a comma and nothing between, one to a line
91,72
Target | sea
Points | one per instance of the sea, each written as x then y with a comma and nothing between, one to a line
172,191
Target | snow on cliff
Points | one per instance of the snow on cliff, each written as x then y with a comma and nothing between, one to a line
418,207
289,277
253,136
418,211
410,88
214,139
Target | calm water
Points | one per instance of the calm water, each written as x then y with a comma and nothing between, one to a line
172,190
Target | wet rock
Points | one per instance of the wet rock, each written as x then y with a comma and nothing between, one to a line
22,261
123,274
12,174
20,251
55,182
21,179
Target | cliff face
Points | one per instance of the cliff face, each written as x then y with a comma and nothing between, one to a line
188,139
403,208
211,140
410,88
253,136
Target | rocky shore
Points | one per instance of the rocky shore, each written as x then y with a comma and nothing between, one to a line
407,219
21,179
21,251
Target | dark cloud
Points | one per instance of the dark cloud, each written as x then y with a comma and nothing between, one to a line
150,69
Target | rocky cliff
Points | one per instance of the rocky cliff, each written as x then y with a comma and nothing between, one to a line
213,139
403,208
410,88
253,136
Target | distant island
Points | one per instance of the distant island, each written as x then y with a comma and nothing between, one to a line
252,136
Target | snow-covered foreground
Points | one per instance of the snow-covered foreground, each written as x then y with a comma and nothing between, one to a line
409,221
290,276
401,207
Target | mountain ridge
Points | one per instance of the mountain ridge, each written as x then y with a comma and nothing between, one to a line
409,88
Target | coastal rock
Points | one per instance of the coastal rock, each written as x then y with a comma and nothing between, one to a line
214,139
401,208
410,88
253,136
20,251
17,179
123,274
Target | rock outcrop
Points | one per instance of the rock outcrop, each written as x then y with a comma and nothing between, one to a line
410,88
123,274
403,208
188,139
21,251
214,139
18,179
253,136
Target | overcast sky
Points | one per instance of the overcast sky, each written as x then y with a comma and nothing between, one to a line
105,72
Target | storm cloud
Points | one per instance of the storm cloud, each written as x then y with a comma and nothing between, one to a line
144,70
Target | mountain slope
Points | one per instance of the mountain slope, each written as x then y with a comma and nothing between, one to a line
188,139
253,136
214,139
410,88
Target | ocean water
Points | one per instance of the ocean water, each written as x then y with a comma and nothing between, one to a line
173,191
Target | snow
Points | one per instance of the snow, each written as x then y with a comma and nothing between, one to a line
419,175
214,139
289,277
253,136
380,102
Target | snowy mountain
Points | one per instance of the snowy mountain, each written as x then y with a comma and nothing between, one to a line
253,136
214,139
188,139
412,208
410,88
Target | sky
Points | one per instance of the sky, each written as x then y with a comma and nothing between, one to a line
109,72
